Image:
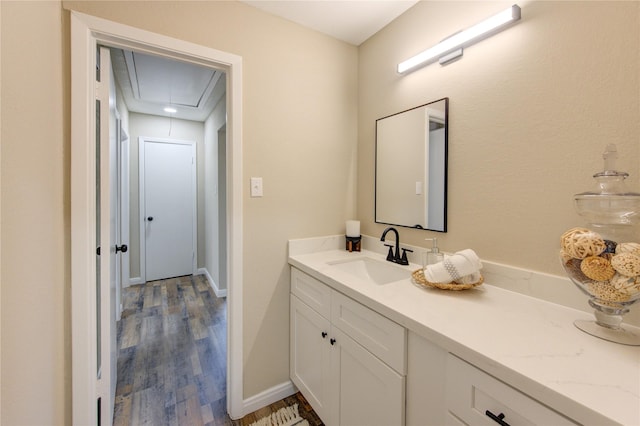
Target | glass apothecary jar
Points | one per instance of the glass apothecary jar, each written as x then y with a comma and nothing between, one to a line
603,257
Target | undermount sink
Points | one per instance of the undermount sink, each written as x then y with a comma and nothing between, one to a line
376,271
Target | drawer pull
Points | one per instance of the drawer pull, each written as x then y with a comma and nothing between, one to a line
497,419
324,334
333,341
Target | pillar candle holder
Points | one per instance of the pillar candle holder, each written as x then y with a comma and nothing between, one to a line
353,243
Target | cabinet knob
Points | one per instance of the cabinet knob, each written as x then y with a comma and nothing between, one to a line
332,341
498,419
324,334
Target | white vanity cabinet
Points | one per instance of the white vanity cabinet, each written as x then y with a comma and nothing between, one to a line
456,356
347,360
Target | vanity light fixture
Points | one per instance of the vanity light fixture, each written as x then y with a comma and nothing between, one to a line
170,110
451,47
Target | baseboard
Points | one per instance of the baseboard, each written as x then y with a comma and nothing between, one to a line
135,281
269,396
212,283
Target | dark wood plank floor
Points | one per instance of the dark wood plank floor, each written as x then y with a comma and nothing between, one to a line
172,358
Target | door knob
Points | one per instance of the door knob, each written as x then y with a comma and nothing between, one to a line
150,218
123,248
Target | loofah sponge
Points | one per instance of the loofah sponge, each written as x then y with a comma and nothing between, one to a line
580,243
627,285
605,291
597,268
632,248
626,264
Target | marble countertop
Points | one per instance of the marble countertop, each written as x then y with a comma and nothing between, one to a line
528,343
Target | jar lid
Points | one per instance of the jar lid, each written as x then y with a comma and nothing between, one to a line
611,202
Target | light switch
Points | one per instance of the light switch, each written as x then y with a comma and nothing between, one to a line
418,188
256,187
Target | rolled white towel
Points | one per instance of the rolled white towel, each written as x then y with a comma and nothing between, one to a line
469,279
454,268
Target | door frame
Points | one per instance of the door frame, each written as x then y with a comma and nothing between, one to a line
86,33
141,209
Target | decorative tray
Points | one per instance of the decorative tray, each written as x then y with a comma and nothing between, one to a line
418,278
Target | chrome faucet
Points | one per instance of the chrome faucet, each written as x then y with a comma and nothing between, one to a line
395,257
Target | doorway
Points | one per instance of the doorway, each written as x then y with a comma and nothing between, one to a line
86,33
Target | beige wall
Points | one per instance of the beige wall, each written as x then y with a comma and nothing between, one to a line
141,125
531,110
299,134
36,338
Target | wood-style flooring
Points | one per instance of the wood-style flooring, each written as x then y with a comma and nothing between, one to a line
172,358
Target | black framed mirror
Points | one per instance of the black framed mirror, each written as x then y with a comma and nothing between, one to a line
411,167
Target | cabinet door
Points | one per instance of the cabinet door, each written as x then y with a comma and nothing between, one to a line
370,392
310,356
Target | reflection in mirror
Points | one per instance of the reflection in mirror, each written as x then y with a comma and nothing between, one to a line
411,167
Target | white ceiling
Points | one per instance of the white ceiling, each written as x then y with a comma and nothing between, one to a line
150,83
353,21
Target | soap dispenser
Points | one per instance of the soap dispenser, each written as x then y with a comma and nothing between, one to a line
433,255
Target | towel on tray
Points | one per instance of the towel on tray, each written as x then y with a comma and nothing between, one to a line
462,267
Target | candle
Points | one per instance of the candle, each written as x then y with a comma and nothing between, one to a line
353,228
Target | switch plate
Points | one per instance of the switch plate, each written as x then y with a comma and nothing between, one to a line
256,187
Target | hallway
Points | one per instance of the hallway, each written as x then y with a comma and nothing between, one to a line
172,358
172,355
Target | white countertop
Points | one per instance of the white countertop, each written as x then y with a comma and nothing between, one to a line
526,342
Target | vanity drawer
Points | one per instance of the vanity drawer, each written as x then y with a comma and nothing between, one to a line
470,393
311,291
381,336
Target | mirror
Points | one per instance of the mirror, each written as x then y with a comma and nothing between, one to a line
411,167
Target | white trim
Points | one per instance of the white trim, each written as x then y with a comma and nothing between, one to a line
269,396
212,283
83,242
135,281
142,140
86,32
235,280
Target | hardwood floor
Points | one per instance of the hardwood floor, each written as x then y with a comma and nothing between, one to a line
172,358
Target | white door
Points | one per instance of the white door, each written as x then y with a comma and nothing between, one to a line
106,237
123,203
167,206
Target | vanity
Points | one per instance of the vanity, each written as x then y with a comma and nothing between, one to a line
369,346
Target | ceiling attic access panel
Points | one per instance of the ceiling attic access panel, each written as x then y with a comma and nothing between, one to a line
150,83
